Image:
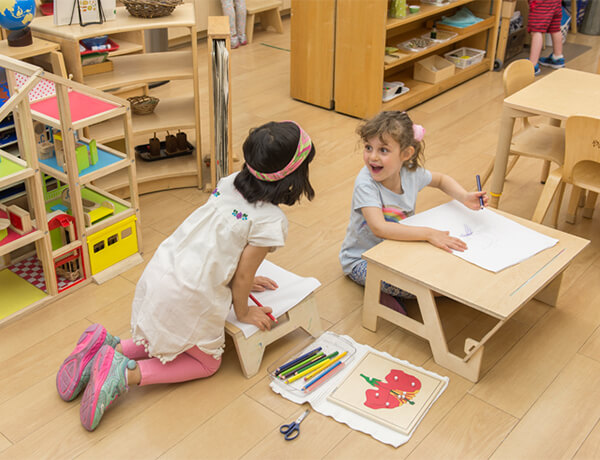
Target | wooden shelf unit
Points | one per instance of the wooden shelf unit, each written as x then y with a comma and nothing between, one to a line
135,70
64,110
347,67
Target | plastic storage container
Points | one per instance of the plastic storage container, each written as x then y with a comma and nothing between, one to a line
465,57
328,343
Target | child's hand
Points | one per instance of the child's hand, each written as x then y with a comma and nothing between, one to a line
471,200
258,317
444,241
262,283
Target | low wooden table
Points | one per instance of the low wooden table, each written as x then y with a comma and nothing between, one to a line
424,270
250,350
39,47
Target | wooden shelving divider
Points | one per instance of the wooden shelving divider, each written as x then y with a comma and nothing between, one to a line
345,70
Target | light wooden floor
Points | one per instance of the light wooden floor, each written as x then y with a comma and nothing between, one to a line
539,396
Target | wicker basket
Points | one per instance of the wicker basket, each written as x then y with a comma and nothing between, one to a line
150,8
143,105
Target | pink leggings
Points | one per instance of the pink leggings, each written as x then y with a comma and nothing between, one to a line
190,365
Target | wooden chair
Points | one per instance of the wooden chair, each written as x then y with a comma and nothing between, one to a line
543,141
267,11
581,169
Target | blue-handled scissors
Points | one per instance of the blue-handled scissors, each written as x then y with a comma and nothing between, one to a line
292,430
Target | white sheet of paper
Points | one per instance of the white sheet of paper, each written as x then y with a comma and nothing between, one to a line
494,242
292,289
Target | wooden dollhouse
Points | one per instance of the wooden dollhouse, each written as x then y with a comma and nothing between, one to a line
67,231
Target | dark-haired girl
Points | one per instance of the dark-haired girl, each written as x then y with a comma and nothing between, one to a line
185,293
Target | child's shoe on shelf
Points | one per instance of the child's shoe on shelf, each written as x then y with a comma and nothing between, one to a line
74,372
235,43
108,380
554,62
536,70
243,39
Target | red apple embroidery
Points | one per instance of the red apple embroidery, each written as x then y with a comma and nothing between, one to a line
399,388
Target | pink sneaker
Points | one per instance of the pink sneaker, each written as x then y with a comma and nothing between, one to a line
390,301
74,372
243,39
108,380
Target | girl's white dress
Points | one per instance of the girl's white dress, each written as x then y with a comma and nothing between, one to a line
183,296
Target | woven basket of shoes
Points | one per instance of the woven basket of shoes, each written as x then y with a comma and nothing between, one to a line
143,105
150,8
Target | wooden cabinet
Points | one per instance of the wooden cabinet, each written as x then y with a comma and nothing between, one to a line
362,31
132,66
313,50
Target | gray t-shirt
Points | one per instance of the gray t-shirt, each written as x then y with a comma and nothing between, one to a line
395,207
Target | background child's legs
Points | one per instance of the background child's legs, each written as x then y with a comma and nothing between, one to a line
557,43
240,13
191,365
535,48
229,11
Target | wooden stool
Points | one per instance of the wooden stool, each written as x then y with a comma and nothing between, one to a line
250,350
268,11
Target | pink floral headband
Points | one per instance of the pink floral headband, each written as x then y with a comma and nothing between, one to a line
418,132
302,151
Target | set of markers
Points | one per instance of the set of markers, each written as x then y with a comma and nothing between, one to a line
312,369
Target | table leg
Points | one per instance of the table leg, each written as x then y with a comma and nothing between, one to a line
549,295
430,329
502,150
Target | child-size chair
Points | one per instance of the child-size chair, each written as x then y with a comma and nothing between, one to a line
581,169
542,140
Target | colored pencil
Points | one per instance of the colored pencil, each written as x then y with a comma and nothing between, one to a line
326,377
261,305
478,180
316,371
284,375
288,372
297,360
321,375
301,364
302,372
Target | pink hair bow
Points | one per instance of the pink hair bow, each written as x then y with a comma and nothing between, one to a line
419,132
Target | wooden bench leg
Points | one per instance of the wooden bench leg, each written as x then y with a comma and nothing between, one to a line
250,27
250,350
271,18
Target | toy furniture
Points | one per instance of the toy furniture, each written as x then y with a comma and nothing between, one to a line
574,93
19,219
581,169
544,141
424,270
135,68
68,107
250,350
267,11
